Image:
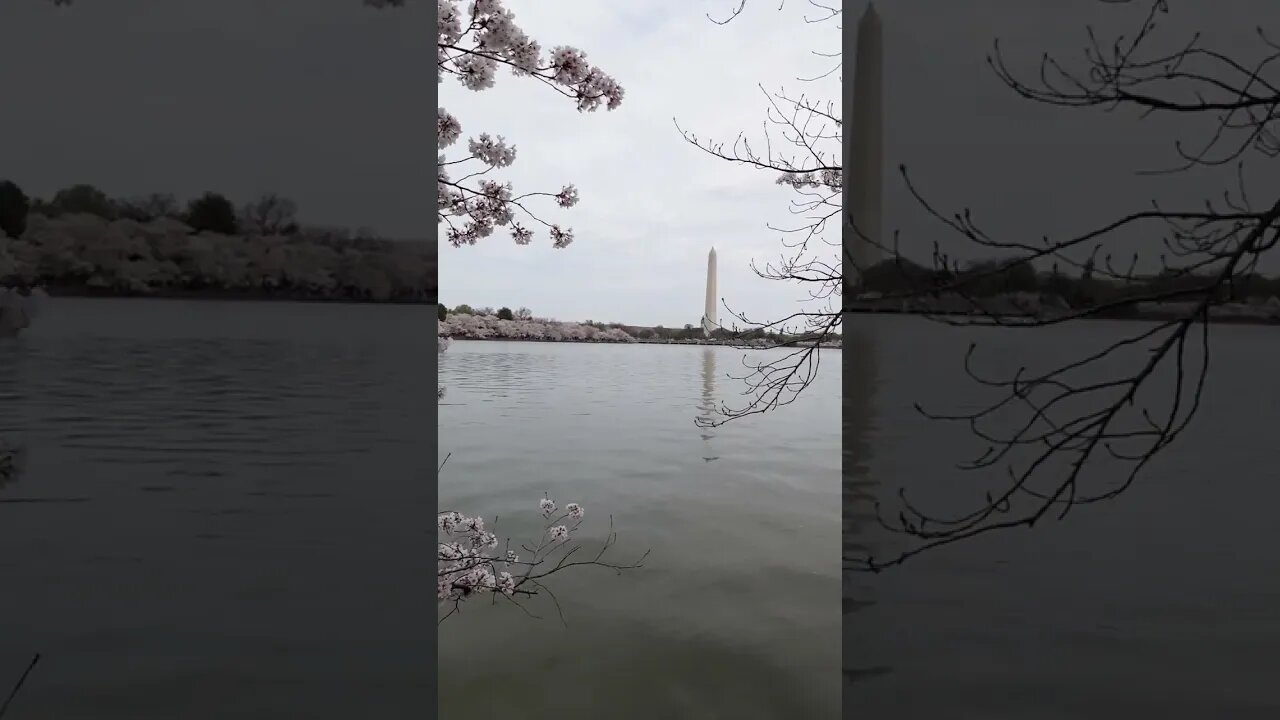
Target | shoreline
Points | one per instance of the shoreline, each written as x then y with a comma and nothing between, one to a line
636,341
1142,316
55,291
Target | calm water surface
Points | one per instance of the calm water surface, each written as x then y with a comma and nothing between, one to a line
1162,604
736,613
230,510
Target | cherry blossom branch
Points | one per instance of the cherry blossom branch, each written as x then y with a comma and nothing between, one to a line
465,570
472,54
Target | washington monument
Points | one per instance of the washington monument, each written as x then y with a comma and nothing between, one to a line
709,312
864,153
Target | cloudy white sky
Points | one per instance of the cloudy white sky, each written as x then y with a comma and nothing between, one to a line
651,205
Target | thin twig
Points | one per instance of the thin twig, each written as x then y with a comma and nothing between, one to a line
18,686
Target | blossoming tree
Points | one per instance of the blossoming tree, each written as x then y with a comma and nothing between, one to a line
480,327
130,257
471,48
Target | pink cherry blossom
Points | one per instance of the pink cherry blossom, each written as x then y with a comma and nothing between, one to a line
567,197
506,584
492,152
561,237
472,46
447,129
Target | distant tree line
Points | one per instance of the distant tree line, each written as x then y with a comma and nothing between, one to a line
1089,286
268,214
85,241
691,332
502,313
727,335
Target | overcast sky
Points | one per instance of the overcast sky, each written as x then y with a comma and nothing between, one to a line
652,206
320,100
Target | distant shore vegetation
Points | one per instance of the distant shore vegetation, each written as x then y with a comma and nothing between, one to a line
464,322
1090,286
83,242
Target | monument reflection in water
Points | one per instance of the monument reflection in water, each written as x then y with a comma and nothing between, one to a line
861,231
859,488
707,405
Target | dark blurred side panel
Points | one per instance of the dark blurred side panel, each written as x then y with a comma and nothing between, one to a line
217,360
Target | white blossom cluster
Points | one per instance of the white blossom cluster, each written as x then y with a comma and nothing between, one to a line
828,178
468,562
471,46
465,565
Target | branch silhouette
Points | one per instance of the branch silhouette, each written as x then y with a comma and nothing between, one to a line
1049,430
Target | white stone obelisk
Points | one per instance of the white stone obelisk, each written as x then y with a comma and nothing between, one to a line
864,149
709,312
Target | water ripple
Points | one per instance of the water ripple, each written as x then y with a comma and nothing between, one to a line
734,595
209,485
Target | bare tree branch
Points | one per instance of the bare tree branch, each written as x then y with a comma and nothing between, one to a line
799,145
1050,428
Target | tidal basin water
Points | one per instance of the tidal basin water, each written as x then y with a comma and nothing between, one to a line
735,615
1163,603
222,514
